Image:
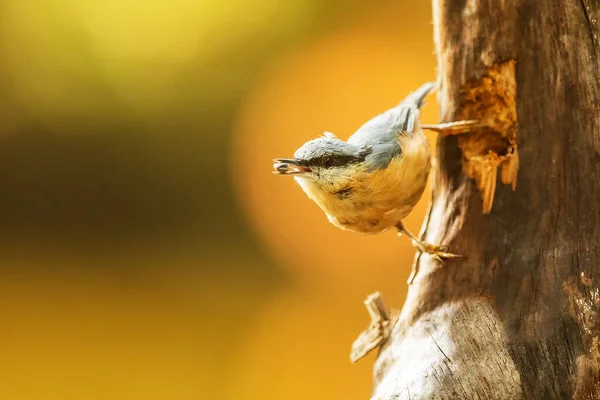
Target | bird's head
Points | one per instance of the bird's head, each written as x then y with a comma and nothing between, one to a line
325,162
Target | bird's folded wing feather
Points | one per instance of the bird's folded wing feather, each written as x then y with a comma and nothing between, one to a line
400,119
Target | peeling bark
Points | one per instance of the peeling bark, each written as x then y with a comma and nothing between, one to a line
519,316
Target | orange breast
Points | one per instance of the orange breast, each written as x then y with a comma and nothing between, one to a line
377,201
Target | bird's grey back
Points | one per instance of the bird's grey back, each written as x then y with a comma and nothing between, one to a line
381,133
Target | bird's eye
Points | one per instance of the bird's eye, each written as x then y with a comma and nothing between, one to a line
328,162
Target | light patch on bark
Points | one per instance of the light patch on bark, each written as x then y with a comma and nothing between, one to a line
459,350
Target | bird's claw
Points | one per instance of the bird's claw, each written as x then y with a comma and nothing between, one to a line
438,253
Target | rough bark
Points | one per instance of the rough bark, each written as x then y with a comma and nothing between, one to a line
519,316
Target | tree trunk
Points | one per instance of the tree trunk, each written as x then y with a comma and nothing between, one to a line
519,316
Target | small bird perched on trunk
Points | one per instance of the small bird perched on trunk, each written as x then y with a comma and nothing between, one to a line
371,182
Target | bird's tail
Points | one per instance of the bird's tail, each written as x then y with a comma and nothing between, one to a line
417,98
409,108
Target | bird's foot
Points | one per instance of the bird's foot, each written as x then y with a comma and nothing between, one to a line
453,128
439,253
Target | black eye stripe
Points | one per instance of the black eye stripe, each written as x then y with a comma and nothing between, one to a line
333,160
337,160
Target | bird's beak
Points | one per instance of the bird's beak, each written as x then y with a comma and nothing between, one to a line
288,166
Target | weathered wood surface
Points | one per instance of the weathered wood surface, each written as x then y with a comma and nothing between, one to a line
519,316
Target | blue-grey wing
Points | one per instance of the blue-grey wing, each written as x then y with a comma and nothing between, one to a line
381,133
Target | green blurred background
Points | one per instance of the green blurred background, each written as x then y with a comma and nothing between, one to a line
147,250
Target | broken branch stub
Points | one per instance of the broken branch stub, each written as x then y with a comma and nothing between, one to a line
377,332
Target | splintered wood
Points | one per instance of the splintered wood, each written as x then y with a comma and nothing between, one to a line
377,332
492,145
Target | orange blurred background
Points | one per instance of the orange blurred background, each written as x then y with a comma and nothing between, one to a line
147,250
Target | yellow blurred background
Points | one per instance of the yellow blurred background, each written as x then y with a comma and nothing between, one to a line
147,250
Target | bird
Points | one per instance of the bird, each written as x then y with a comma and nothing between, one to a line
369,183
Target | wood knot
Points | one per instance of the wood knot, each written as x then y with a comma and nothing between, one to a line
584,307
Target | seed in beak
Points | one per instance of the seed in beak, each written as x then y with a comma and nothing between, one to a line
282,168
